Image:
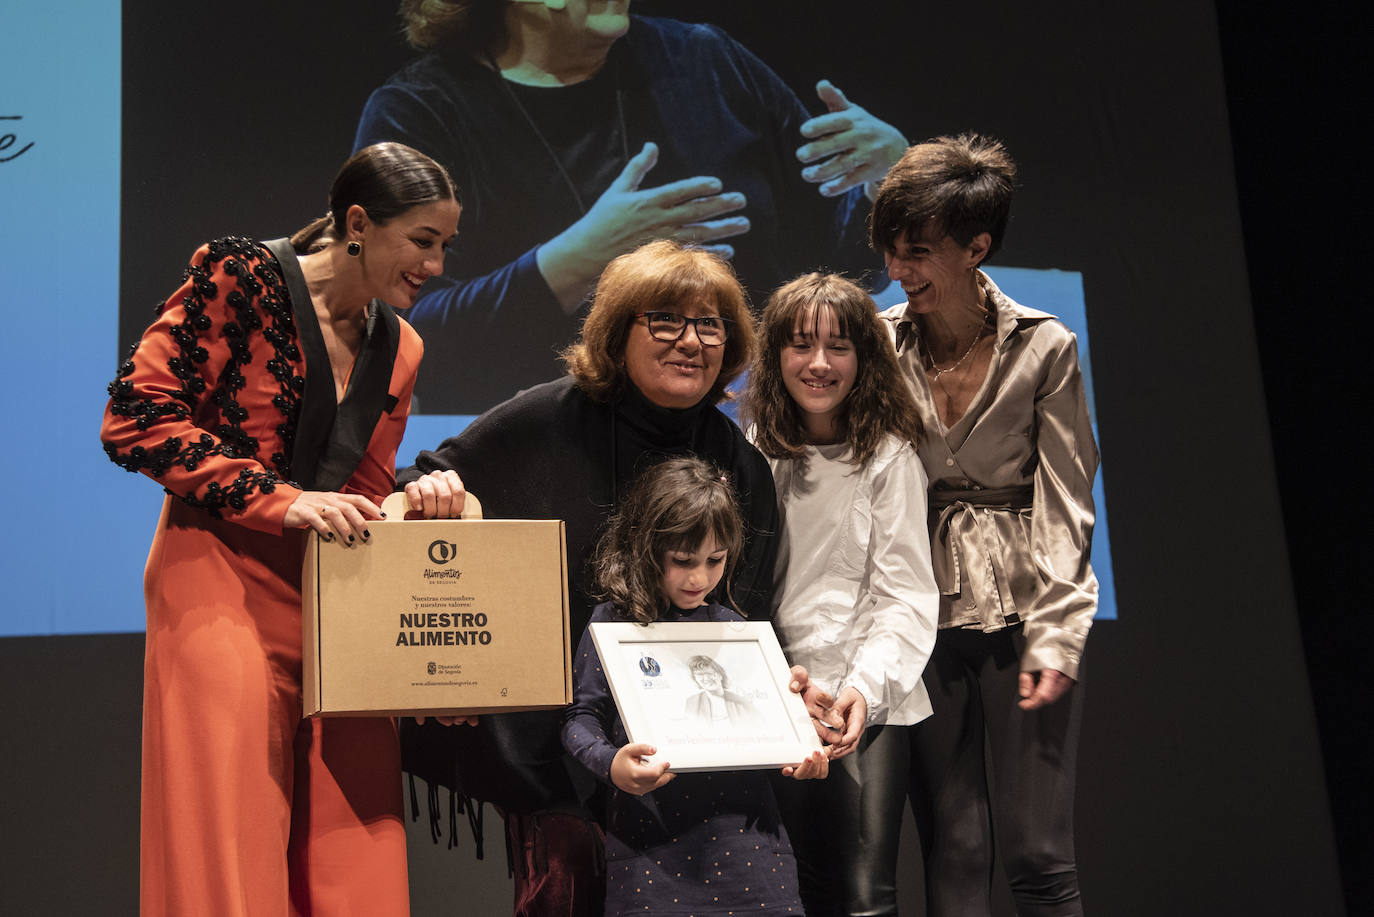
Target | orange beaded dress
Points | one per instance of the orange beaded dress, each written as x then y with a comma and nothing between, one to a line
247,808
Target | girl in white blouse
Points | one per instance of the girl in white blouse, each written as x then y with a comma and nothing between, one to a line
856,600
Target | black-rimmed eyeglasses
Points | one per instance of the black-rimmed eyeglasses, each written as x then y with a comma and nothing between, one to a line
712,330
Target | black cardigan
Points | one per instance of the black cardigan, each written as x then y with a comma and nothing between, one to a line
552,452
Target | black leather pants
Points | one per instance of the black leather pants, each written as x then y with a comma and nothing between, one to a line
845,829
987,773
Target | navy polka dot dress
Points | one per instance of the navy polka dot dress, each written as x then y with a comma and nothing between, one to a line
702,844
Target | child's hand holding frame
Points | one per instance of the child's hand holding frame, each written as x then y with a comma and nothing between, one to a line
631,773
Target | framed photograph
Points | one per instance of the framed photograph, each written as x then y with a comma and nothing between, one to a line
709,695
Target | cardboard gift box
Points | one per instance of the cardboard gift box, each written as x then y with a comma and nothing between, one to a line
437,616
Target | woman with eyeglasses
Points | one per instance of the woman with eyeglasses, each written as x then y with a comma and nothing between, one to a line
668,330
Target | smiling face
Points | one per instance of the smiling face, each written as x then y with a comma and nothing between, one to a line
400,255
937,274
673,374
819,367
689,576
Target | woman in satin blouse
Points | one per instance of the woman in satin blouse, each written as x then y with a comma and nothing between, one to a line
1008,448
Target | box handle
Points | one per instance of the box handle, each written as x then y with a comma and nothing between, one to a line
395,507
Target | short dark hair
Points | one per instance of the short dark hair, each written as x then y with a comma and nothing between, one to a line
471,25
673,506
880,402
386,180
660,276
956,186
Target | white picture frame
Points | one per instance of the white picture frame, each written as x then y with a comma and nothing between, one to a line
753,720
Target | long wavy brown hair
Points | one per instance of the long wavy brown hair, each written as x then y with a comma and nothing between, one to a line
880,401
674,506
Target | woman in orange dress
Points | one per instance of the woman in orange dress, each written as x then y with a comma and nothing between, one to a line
269,397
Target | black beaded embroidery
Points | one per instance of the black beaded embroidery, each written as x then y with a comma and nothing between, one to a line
258,304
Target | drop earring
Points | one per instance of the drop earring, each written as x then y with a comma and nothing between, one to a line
354,248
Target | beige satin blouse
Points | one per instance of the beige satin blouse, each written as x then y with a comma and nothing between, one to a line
1011,508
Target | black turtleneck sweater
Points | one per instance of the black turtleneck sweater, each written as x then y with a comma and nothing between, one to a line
551,452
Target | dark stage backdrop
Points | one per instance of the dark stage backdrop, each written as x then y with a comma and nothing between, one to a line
1200,788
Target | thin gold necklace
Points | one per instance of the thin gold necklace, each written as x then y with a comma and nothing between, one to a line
977,336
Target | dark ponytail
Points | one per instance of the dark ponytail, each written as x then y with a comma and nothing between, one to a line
305,238
386,180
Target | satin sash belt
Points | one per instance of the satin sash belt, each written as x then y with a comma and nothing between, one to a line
965,522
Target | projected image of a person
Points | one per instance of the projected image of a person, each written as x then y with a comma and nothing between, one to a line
269,397
1008,447
579,132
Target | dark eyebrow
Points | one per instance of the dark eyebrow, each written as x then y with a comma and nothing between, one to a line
438,234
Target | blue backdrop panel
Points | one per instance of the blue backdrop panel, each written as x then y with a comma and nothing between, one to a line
76,535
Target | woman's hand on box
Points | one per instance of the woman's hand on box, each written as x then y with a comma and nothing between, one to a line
334,516
437,495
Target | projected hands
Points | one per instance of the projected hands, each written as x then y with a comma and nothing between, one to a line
694,210
848,145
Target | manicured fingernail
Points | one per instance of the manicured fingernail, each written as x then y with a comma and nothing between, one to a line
328,536
366,533
383,515
350,539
